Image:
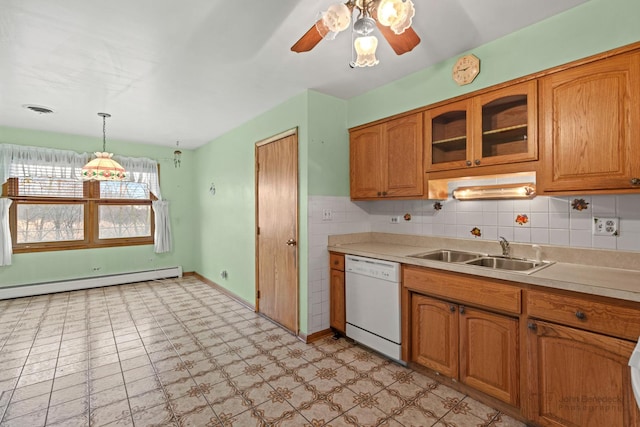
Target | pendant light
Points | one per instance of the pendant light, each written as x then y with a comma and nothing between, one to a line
103,167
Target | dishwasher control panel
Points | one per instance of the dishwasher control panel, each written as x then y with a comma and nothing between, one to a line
384,270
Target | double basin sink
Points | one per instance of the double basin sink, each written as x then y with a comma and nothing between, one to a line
496,262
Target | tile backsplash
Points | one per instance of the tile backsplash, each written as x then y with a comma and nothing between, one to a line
562,221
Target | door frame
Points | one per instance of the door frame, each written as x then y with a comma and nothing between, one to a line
271,139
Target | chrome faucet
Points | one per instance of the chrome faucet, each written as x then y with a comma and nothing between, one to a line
506,250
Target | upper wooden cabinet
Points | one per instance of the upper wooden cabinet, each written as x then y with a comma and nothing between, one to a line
590,126
493,128
386,159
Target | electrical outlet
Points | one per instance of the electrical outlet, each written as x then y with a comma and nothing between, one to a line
327,215
395,220
605,226
224,274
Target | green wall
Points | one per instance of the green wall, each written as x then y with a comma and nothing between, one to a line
176,186
593,27
328,146
225,223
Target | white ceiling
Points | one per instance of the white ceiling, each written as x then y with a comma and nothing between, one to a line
192,70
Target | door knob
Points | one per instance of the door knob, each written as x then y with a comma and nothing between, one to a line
291,242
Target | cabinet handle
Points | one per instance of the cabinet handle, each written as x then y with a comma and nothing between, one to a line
532,326
379,193
635,181
468,162
580,315
462,309
384,193
477,162
452,308
336,262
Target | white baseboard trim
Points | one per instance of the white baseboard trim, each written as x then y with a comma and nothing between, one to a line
89,282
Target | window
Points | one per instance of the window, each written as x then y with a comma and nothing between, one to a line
57,213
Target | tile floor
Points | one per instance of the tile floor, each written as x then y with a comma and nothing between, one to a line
179,353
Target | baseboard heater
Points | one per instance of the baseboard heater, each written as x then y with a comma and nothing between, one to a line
89,282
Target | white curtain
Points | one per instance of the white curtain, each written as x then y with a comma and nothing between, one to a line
5,233
162,237
19,161
145,171
140,169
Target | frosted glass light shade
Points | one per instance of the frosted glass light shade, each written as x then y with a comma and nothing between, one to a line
366,50
337,18
396,14
103,168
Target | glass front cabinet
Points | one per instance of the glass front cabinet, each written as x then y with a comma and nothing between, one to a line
494,128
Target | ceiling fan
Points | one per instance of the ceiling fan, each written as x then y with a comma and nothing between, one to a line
393,19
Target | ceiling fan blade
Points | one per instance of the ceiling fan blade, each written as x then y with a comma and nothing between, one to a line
311,38
400,43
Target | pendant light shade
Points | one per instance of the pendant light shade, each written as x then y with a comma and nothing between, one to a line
103,167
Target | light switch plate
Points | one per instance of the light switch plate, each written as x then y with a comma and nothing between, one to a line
605,226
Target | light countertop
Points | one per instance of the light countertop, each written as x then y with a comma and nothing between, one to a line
602,280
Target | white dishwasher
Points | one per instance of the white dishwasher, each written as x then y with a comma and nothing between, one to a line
373,303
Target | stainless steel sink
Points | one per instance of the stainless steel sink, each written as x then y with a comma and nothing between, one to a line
496,262
510,264
446,255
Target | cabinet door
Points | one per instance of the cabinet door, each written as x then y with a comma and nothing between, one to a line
489,353
591,126
404,174
505,125
434,341
579,378
337,311
365,162
447,131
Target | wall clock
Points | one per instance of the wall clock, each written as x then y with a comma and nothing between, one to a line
466,69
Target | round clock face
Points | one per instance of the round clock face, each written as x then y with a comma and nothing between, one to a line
466,69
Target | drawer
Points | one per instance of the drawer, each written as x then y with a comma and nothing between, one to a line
336,261
463,288
607,318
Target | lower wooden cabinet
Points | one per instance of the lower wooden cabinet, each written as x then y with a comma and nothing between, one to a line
337,309
474,346
434,338
579,378
489,353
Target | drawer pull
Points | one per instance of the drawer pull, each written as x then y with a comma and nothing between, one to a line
462,309
468,162
580,315
452,308
532,326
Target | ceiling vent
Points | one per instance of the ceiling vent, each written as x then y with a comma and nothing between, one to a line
38,109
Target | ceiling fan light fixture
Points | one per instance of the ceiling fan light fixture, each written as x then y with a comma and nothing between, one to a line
396,14
337,18
366,49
